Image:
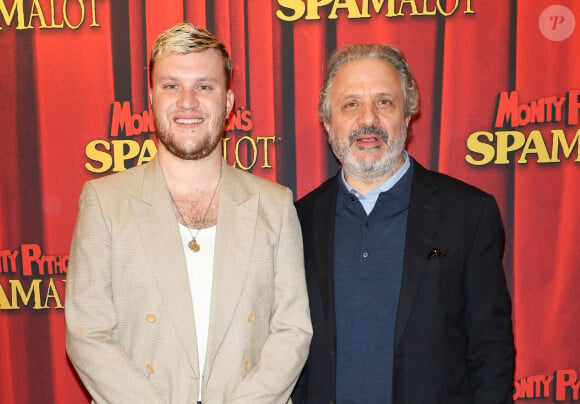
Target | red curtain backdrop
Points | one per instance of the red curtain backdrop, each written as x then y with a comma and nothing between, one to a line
65,65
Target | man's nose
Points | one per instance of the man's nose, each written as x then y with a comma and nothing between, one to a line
187,99
368,115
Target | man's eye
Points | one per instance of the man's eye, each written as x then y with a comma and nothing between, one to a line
205,87
350,105
385,101
170,86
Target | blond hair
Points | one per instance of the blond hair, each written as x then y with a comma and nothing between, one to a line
183,39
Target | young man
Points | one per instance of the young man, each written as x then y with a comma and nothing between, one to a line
186,279
403,265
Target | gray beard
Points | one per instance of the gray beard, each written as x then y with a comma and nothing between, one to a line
370,169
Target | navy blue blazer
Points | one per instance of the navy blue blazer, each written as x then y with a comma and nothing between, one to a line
453,334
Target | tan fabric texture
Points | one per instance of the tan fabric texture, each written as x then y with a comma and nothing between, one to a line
130,326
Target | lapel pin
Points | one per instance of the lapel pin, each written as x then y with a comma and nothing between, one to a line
437,252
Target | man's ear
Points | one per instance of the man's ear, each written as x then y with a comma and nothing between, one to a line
326,126
229,102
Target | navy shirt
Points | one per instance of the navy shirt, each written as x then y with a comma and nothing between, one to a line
368,266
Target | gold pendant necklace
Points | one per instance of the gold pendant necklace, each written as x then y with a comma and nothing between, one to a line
193,244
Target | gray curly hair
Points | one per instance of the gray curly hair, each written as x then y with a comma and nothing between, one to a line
386,52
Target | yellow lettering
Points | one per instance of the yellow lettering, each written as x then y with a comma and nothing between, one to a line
4,303
508,141
356,9
94,22
245,151
148,151
353,11
53,17
225,141
426,8
34,291
17,9
120,154
391,10
38,14
468,9
265,139
65,14
312,8
475,145
412,4
482,143
443,11
535,145
123,150
559,139
296,5
92,152
52,294
17,12
253,154
365,8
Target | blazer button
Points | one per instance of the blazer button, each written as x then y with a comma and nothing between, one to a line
251,317
150,369
246,365
151,318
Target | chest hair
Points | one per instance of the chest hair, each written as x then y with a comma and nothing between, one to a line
196,210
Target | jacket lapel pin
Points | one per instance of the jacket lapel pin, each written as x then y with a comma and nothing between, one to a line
437,252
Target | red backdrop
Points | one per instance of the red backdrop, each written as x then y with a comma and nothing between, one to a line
500,96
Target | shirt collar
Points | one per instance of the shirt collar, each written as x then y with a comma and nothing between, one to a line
385,186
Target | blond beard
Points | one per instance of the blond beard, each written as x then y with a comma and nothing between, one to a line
207,144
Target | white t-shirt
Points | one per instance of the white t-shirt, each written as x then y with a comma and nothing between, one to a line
200,272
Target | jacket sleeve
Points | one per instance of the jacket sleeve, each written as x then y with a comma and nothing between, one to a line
91,322
299,393
286,348
490,349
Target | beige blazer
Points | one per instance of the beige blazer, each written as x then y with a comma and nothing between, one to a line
130,328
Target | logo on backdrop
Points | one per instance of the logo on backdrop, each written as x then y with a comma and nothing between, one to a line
561,386
57,14
557,23
129,142
293,10
512,143
31,279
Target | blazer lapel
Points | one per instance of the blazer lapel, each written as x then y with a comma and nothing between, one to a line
162,244
424,214
237,216
323,226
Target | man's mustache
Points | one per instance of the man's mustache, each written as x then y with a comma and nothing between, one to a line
368,130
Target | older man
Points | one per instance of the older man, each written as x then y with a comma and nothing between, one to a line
186,279
403,265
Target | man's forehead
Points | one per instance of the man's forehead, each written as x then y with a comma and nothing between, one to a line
203,56
370,73
200,65
364,64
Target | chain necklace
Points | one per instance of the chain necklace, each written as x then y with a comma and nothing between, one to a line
193,244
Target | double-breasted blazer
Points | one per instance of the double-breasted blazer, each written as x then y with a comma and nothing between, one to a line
453,338
130,325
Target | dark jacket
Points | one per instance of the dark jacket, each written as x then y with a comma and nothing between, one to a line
453,334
